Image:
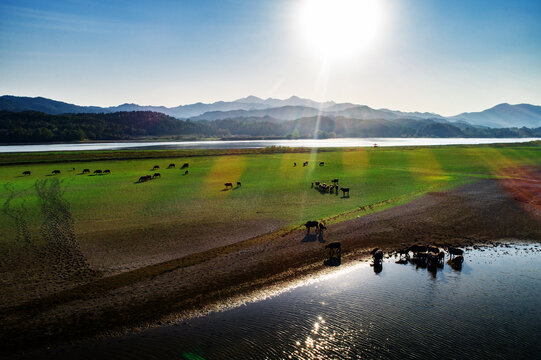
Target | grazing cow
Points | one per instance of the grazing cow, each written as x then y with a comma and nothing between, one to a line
106,171
145,178
156,175
321,226
455,251
311,224
56,172
156,167
294,164
344,191
228,185
171,166
97,171
239,184
186,172
27,172
185,165
86,171
322,163
335,181
72,169
335,249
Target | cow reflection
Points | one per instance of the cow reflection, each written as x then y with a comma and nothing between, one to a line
335,254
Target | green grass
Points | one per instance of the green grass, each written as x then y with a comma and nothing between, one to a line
271,187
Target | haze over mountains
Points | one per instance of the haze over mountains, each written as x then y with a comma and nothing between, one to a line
293,108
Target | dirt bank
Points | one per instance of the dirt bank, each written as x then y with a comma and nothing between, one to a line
481,212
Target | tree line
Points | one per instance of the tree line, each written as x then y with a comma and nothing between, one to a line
31,126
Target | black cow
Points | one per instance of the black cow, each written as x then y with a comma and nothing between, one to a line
415,249
294,164
321,226
171,166
27,172
97,171
228,185
86,171
186,172
185,165
322,163
107,171
145,178
335,181
56,172
344,191
305,163
156,167
156,175
455,251
239,184
377,256
311,224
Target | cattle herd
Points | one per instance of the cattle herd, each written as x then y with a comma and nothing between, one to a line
330,188
156,175
424,255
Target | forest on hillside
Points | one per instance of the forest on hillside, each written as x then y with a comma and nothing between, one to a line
31,126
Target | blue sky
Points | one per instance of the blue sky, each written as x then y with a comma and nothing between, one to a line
429,55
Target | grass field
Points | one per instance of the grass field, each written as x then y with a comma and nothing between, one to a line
108,212
84,254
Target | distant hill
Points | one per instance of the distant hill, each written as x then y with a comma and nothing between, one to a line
293,108
504,115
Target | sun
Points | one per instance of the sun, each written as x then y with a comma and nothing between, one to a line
339,28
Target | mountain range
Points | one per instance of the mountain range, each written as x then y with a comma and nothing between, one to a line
293,108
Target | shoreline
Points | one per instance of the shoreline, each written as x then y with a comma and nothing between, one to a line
482,212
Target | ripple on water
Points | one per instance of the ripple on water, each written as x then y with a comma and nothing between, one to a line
491,309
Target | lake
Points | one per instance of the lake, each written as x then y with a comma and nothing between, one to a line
248,144
491,308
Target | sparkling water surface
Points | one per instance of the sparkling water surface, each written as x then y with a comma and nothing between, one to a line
247,144
490,309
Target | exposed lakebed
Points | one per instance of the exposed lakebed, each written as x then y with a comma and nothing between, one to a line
491,308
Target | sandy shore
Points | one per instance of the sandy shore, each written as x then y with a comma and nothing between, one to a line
482,212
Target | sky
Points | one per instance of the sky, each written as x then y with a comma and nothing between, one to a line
440,56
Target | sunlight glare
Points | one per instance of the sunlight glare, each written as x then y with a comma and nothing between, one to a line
339,28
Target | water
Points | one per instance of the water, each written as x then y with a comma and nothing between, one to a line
250,144
489,309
